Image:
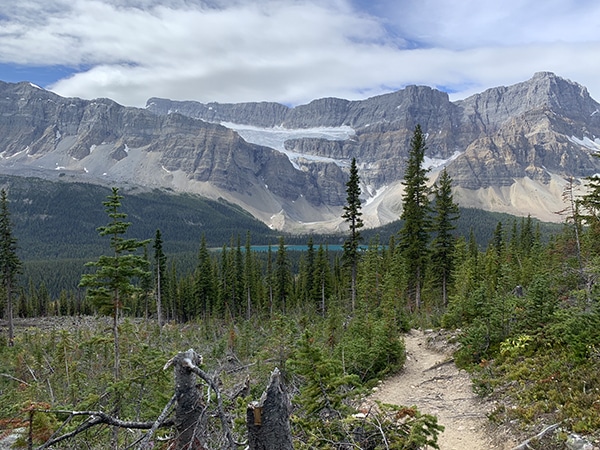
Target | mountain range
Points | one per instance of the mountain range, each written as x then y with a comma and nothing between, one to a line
508,149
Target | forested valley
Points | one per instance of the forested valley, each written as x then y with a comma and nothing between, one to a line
91,366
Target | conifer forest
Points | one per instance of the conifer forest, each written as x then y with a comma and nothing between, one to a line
93,367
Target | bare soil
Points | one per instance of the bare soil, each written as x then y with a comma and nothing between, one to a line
431,381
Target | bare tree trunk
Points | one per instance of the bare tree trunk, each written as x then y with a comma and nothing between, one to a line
189,420
268,419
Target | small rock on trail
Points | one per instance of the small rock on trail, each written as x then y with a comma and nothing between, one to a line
431,381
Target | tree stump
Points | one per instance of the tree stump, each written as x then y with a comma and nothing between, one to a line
190,421
268,420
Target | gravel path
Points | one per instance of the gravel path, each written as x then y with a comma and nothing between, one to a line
432,382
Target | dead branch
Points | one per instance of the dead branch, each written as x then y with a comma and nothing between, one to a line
220,411
145,442
95,418
190,415
14,379
525,444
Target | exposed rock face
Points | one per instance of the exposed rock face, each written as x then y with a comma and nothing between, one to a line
102,141
495,145
537,130
527,130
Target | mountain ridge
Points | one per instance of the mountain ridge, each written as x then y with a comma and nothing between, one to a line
499,146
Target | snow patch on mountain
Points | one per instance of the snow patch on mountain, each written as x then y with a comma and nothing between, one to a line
438,163
374,194
275,138
587,143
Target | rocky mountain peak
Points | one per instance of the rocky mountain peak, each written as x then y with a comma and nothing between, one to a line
287,165
492,108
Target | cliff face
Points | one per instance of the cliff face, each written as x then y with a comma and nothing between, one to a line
528,130
101,141
288,166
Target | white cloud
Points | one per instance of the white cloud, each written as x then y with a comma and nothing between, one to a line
483,23
293,51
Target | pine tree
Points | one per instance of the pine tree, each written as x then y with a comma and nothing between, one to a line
160,262
321,289
325,385
307,269
446,212
270,280
240,279
146,289
10,265
370,275
572,213
204,289
283,276
112,283
225,282
248,276
352,215
415,214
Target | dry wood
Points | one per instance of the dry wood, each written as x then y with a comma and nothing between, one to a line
525,444
268,419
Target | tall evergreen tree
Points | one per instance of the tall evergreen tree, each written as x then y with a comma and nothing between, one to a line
573,214
352,215
10,265
321,289
415,214
498,239
146,290
283,276
307,270
446,212
226,283
370,275
248,276
111,285
270,279
160,267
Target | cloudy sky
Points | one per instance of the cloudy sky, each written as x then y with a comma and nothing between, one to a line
293,51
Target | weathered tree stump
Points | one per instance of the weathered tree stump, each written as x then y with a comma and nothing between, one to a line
190,420
268,420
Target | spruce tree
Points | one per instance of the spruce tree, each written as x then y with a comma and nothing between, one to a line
283,276
321,289
326,386
249,282
160,261
415,214
146,290
270,280
307,271
111,285
446,212
352,215
226,283
10,265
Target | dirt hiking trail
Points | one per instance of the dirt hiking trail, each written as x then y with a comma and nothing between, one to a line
431,381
